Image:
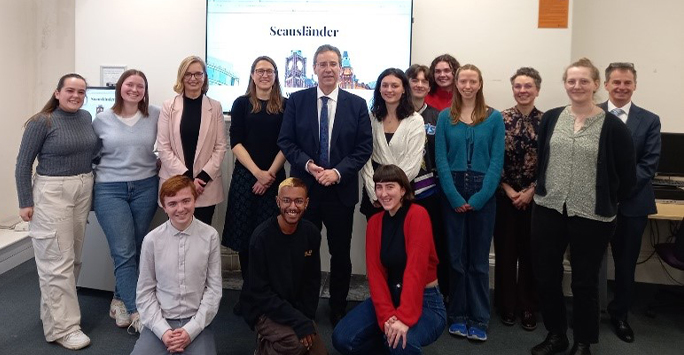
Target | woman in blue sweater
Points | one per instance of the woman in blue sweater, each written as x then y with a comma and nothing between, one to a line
126,183
469,154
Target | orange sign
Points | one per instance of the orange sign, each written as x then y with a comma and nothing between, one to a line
553,13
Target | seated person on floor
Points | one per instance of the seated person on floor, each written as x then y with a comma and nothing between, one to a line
179,287
405,311
280,296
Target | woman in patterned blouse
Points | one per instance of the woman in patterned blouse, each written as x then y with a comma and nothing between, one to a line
515,287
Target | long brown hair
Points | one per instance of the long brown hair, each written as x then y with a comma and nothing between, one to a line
143,105
275,100
52,103
480,112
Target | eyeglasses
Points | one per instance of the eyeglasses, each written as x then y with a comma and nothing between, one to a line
262,72
287,201
198,75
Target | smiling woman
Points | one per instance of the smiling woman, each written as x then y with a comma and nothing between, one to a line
256,118
191,136
586,166
125,192
62,136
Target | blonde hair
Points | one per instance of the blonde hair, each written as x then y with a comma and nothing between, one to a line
179,87
293,182
480,112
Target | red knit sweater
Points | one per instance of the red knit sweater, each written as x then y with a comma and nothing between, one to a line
440,99
421,267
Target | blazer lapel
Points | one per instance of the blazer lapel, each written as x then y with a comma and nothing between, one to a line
315,124
337,126
205,125
176,115
633,120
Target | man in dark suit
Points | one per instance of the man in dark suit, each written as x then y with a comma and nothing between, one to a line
326,137
633,213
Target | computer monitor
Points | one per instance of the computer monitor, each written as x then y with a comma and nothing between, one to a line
98,98
671,163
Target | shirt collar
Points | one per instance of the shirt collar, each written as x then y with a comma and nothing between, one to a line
331,96
187,231
624,108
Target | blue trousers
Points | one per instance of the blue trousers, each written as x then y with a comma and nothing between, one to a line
358,332
124,211
469,237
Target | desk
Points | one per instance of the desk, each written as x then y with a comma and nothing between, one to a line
668,211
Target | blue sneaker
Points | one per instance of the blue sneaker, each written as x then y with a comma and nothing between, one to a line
458,329
476,334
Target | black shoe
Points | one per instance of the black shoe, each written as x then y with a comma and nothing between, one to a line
622,329
580,349
528,321
508,319
335,317
553,344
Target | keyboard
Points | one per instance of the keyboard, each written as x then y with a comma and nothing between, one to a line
668,182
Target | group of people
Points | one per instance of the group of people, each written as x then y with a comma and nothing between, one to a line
443,173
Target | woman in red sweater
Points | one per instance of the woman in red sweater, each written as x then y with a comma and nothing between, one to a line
405,311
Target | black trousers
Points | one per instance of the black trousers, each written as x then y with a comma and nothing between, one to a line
515,288
626,246
205,214
588,239
433,205
325,208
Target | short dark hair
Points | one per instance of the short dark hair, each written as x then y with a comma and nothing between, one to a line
174,184
393,173
620,66
453,64
413,70
328,48
405,108
528,71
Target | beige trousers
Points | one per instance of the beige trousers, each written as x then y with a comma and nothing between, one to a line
57,229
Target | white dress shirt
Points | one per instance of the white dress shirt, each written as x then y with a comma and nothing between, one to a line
625,108
180,277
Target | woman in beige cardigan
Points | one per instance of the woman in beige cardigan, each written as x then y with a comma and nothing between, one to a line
191,137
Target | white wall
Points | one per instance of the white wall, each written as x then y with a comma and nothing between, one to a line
37,48
647,33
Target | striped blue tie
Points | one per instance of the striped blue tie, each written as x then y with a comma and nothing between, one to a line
617,111
324,138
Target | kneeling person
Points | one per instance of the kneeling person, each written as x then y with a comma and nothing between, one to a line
179,287
280,295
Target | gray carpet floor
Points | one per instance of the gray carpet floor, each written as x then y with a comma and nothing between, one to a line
21,329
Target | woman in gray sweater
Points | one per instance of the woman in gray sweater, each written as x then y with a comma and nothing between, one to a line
57,203
126,183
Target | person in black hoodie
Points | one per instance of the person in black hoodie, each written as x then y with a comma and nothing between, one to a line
280,295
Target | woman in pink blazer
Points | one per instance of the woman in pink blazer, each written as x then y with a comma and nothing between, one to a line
191,137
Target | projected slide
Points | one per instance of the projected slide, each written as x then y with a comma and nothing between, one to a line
98,99
372,35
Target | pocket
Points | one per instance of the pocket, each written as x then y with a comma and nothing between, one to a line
45,245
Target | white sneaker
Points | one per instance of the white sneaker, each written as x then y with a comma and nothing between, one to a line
117,311
74,341
136,326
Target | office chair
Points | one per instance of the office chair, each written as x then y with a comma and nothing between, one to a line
671,254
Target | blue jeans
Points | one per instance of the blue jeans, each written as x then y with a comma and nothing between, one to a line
358,332
469,237
124,211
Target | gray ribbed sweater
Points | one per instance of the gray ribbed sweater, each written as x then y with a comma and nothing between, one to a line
65,147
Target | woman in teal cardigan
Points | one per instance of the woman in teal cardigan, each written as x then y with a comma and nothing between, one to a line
469,155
